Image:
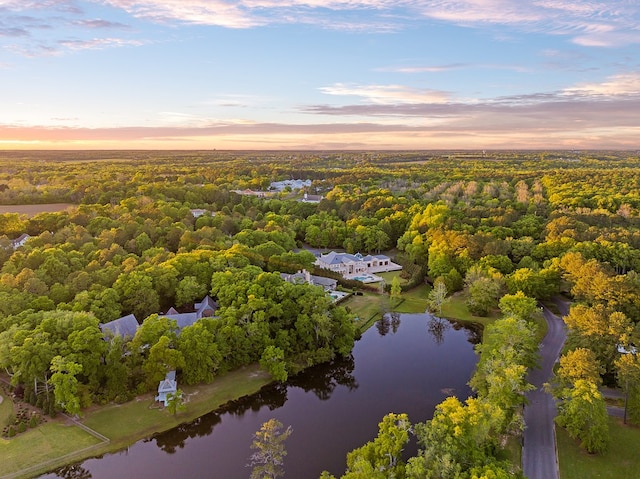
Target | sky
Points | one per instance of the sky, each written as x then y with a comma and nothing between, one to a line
319,74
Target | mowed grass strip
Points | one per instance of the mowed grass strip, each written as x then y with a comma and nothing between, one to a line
6,410
126,423
36,446
621,461
123,424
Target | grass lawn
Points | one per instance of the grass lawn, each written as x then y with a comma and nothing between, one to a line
6,409
366,307
389,275
123,424
415,300
513,451
621,461
47,442
128,422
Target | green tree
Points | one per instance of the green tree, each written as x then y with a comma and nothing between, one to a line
584,415
628,374
268,443
162,359
273,361
483,295
438,296
396,290
189,290
457,439
518,305
382,456
65,384
137,293
175,402
202,357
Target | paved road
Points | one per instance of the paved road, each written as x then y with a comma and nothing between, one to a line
539,455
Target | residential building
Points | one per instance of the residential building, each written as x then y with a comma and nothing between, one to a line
353,265
125,327
304,276
20,240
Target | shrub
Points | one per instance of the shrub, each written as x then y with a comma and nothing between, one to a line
34,421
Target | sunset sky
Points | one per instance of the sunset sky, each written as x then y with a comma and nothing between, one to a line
319,74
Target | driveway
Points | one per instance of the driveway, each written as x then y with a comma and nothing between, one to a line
539,454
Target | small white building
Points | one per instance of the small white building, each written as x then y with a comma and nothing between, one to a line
167,386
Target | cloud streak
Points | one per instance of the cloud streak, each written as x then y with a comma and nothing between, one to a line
588,23
387,94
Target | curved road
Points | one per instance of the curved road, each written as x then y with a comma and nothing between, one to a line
539,455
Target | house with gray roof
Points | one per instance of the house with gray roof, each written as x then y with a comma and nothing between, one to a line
302,277
203,309
125,327
355,266
20,241
307,198
167,386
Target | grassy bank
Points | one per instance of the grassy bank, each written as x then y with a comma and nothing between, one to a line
622,459
60,442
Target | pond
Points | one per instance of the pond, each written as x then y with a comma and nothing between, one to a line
406,364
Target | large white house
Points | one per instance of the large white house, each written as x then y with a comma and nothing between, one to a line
356,266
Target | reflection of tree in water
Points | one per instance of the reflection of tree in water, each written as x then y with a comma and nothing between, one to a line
395,322
383,325
170,441
323,379
437,327
272,396
388,322
73,471
473,330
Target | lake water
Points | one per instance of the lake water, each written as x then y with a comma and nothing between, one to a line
407,365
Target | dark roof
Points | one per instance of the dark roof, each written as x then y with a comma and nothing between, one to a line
125,327
183,319
206,307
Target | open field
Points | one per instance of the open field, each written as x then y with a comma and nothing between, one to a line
32,210
621,461
47,442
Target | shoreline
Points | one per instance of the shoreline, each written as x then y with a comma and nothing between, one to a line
142,420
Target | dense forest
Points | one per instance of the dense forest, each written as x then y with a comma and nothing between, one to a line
521,226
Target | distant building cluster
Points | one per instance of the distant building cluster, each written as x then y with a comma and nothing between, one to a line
293,184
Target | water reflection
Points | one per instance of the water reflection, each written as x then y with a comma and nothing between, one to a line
322,380
273,397
73,471
388,322
437,327
333,408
